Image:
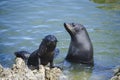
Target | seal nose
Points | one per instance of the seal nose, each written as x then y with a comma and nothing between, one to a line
64,24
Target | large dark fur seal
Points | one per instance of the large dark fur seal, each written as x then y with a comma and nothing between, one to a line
80,49
45,53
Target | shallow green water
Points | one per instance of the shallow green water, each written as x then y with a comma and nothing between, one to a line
23,24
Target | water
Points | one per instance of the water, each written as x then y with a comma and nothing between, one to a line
23,24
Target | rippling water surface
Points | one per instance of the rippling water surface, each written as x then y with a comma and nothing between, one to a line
23,24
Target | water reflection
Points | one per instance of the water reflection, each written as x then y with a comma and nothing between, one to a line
105,1
80,71
108,4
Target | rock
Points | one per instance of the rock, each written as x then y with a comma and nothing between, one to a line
52,74
1,68
20,71
117,74
5,73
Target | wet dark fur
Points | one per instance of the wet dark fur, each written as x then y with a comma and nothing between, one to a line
80,49
44,54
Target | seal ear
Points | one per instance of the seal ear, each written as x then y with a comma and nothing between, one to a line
57,41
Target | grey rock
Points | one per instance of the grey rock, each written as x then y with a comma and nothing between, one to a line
20,71
117,74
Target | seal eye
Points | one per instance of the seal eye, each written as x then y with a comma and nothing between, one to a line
73,24
76,29
82,28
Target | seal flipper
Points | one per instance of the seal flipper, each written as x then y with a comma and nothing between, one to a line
56,52
22,54
34,60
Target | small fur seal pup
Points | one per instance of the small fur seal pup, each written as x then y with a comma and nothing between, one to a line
43,55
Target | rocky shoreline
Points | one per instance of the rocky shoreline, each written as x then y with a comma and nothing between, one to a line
20,71
117,74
